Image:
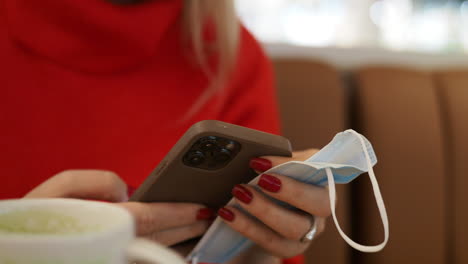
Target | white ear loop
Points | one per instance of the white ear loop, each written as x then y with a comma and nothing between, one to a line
195,260
378,199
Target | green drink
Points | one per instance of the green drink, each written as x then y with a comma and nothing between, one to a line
41,222
71,231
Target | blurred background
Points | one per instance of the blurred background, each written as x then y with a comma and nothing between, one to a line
397,72
434,26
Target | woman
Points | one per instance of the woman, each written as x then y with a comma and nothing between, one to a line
99,85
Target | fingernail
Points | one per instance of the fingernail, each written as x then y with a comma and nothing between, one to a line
226,214
260,164
242,194
270,183
205,214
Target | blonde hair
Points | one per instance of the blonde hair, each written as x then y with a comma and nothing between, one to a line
222,14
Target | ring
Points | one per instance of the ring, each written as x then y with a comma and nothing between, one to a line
309,236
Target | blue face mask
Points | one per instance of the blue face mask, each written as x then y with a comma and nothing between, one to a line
346,157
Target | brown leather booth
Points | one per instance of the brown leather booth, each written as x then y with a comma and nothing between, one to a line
398,110
453,93
417,122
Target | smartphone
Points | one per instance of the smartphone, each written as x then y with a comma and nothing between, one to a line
207,162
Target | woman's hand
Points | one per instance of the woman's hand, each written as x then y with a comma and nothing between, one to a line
167,223
279,231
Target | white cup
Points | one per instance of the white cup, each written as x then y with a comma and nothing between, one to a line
106,234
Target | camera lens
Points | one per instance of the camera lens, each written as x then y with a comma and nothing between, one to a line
222,156
195,158
208,143
231,146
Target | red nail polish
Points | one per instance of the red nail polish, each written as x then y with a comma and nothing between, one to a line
260,164
242,194
226,214
205,214
270,183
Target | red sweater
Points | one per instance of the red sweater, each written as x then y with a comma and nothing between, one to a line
87,84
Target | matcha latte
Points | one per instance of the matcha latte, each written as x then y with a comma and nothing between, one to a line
72,231
42,222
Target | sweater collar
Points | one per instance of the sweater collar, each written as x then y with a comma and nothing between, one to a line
91,35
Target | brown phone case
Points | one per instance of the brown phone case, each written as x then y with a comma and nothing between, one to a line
207,162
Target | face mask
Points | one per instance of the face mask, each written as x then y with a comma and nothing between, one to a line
346,157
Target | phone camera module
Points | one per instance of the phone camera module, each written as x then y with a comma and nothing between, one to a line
195,158
211,152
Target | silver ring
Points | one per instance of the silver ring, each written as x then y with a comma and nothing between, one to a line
309,236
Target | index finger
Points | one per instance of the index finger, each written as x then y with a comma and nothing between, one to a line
309,198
